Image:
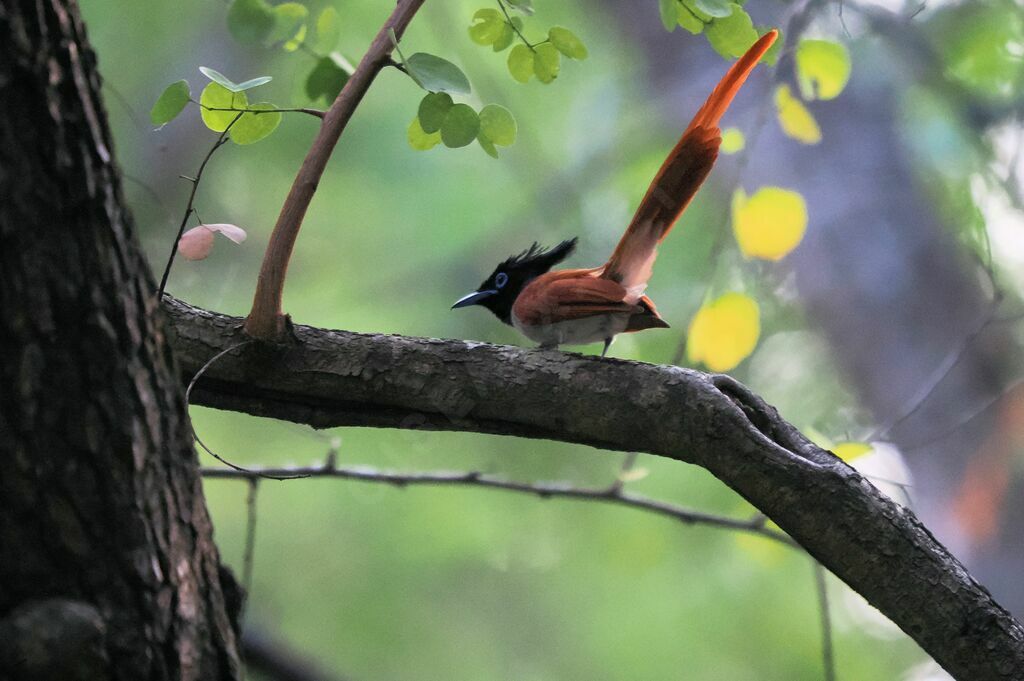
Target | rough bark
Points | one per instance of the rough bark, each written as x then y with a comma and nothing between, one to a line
331,378
107,565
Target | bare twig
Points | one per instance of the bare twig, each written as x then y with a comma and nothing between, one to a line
266,320
828,659
189,209
250,537
544,490
312,112
275,659
515,29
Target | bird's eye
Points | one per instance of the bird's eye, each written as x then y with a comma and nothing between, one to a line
501,279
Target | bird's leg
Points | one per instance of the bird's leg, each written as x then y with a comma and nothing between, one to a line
547,346
607,342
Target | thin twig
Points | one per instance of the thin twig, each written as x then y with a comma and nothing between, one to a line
312,112
221,140
250,538
508,19
828,660
265,320
544,490
195,435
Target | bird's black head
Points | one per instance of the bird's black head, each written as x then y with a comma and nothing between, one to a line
500,290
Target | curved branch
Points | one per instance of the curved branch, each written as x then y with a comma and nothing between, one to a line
265,319
879,548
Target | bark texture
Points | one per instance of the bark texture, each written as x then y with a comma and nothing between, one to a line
107,565
330,378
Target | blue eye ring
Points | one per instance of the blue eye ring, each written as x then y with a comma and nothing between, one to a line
501,279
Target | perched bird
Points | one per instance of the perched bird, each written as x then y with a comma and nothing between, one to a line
588,305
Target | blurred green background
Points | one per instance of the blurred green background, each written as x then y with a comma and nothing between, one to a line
463,584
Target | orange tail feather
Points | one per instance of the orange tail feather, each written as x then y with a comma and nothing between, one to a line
679,178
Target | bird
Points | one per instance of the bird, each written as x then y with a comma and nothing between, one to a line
580,306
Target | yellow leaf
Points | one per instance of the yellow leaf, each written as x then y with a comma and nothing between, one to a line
822,68
770,223
724,332
848,451
794,118
732,141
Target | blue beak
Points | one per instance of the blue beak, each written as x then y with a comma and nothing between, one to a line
473,298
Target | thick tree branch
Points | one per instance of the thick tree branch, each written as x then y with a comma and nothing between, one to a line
334,378
265,319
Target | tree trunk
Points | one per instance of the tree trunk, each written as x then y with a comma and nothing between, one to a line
107,565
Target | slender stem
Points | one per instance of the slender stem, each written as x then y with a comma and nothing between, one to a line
265,320
828,659
515,29
189,209
312,112
250,537
545,490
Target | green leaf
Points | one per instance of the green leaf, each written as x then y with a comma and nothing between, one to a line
328,30
689,19
733,35
524,6
822,68
253,82
669,14
218,77
566,42
547,62
328,77
420,140
252,127
488,26
460,126
250,21
520,63
216,96
433,109
498,125
719,9
296,42
170,103
508,34
289,20
733,141
487,145
436,74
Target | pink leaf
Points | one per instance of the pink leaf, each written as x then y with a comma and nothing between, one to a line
196,243
233,232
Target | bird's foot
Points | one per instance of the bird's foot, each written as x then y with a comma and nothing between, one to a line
607,342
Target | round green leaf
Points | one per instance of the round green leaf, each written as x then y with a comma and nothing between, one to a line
297,41
566,42
822,68
547,62
733,35
669,14
170,103
216,96
328,77
433,109
252,127
328,30
508,34
520,63
690,19
488,26
718,9
250,21
289,20
498,125
487,145
436,74
460,126
420,140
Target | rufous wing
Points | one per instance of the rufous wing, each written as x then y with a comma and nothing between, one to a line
556,297
678,180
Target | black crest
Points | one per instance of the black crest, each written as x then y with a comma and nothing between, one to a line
499,291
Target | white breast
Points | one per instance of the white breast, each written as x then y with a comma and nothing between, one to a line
575,331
